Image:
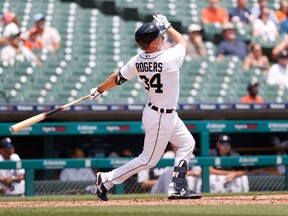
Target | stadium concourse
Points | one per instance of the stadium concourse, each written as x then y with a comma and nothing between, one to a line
98,38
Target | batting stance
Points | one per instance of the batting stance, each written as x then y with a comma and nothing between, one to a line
159,72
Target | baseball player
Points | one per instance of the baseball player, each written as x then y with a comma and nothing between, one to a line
159,72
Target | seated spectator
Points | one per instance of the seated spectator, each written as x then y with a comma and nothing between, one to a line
278,73
11,25
256,59
281,14
49,36
77,174
33,43
241,13
264,27
148,178
227,179
256,11
12,181
284,27
15,51
193,180
214,13
252,97
230,45
196,47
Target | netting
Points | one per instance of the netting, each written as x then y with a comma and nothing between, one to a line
47,183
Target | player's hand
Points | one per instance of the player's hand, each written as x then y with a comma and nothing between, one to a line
95,93
230,177
7,181
162,20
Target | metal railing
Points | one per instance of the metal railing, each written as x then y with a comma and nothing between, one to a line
31,165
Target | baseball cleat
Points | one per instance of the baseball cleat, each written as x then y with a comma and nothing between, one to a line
184,194
100,191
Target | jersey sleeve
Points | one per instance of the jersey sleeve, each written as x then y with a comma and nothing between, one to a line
15,157
129,71
175,56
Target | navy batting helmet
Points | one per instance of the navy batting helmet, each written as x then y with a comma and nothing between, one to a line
146,33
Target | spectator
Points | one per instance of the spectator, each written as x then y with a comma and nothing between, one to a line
283,45
230,45
252,97
192,179
264,27
11,25
241,13
226,179
278,73
281,14
214,13
77,174
11,180
33,43
196,47
256,59
49,36
284,27
15,51
256,11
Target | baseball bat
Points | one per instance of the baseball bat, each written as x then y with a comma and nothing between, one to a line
37,118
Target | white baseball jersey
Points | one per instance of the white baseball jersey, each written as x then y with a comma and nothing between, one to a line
17,187
159,72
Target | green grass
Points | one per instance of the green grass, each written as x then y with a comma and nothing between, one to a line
250,210
203,210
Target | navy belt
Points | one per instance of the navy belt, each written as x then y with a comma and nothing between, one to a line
161,110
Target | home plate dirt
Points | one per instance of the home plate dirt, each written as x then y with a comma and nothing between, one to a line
221,200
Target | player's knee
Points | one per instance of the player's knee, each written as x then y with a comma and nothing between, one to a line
148,161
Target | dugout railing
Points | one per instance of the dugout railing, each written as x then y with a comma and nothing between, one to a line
204,128
31,165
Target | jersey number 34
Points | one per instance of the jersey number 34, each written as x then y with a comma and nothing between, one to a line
154,82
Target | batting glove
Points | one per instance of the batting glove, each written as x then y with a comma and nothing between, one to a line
95,93
162,20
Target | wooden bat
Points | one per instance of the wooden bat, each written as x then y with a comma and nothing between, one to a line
37,118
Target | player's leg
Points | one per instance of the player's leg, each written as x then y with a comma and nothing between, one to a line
156,138
185,143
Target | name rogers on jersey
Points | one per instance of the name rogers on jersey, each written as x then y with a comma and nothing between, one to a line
149,66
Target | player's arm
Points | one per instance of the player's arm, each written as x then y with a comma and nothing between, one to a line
177,37
112,81
148,184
